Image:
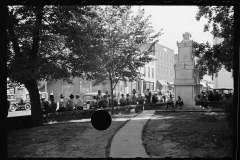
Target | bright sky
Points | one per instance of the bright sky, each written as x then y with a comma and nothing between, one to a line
176,20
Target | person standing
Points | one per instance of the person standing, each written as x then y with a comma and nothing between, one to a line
70,103
148,96
62,104
98,97
79,103
170,102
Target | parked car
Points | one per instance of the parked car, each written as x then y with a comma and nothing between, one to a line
87,98
13,102
18,105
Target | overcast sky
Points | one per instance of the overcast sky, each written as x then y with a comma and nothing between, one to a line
176,20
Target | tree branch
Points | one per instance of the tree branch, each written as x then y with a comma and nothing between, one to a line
36,32
10,28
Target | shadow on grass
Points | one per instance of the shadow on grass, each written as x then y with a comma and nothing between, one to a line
187,135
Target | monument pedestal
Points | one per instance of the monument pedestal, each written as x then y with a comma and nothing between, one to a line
186,80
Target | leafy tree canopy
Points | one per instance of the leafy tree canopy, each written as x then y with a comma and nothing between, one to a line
126,45
220,21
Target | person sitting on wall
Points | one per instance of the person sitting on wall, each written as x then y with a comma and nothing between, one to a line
210,96
170,102
104,102
179,102
53,104
128,100
70,103
154,99
93,103
115,101
122,100
44,105
62,104
198,100
140,99
133,100
79,103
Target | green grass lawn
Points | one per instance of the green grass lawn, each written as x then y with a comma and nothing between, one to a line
187,135
70,139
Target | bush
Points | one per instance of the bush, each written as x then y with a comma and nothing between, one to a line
228,108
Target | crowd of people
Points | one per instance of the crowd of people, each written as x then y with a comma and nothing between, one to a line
204,98
104,101
62,105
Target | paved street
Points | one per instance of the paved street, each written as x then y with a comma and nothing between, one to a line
19,113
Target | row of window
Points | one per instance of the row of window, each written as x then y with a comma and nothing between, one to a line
164,57
161,70
166,71
149,74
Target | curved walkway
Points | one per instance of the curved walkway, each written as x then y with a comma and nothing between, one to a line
127,142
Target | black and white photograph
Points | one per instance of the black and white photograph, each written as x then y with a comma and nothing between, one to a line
120,81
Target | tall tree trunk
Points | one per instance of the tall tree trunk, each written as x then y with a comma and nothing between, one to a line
36,112
111,87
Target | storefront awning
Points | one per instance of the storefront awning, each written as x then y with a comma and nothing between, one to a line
162,82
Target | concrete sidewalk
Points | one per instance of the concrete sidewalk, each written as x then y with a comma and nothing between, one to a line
127,142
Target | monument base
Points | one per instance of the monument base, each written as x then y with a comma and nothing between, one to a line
190,105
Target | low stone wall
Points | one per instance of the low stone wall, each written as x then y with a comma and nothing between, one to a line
161,105
213,104
84,114
20,122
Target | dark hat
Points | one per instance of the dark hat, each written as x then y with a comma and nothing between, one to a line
77,95
71,96
61,96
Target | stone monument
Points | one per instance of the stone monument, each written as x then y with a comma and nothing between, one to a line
186,81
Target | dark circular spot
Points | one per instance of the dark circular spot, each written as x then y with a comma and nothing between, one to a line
101,120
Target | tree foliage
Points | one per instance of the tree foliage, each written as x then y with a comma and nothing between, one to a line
125,35
220,21
49,42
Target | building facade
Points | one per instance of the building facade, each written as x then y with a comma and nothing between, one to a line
223,79
156,75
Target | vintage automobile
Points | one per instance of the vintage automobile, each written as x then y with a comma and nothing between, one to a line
87,98
13,102
22,103
18,105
